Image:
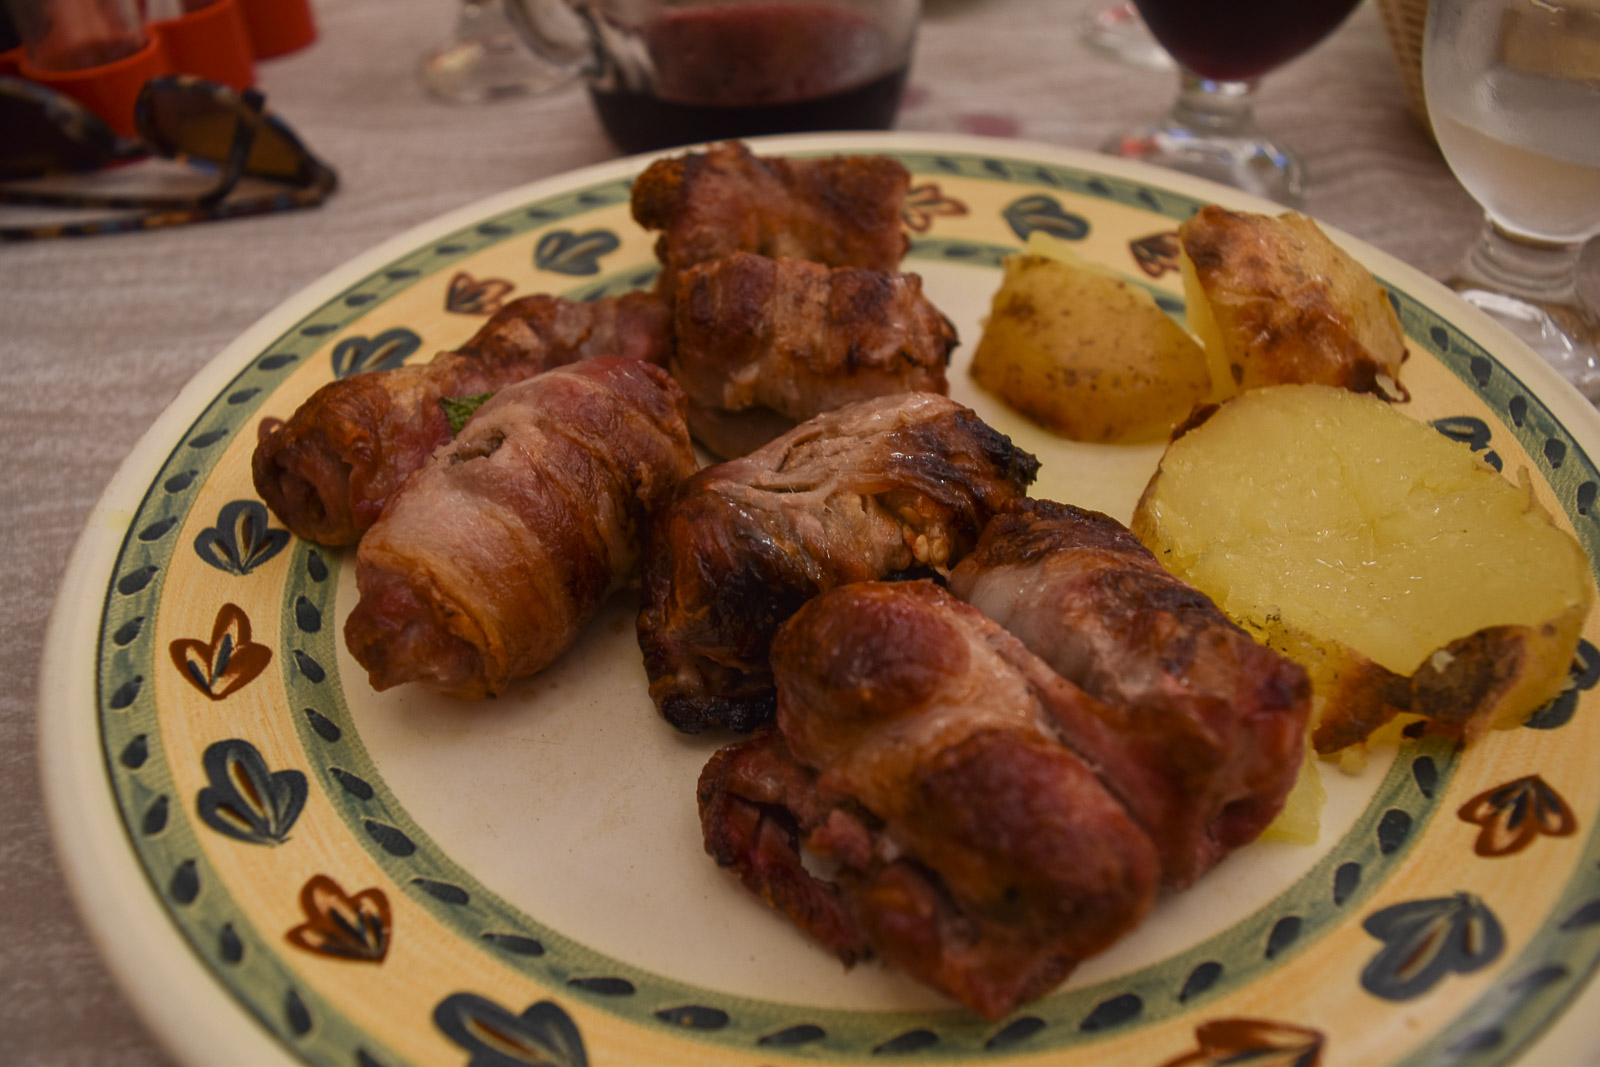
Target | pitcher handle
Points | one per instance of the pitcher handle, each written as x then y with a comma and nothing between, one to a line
556,30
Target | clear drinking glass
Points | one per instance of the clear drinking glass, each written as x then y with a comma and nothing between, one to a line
1222,48
484,59
1116,30
1513,91
63,35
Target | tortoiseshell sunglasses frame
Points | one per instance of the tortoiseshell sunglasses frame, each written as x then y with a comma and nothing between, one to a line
313,183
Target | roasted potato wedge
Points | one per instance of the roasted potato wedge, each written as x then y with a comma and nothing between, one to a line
1404,573
1274,301
1300,821
1084,352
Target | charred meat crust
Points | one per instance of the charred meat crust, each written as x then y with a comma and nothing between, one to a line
764,344
970,846
841,211
329,470
863,491
488,562
1209,724
866,491
756,803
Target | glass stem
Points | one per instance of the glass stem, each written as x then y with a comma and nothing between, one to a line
471,19
1221,107
1538,271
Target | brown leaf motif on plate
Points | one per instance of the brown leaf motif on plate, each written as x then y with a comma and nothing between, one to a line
343,926
1156,254
228,662
1258,1042
924,203
472,296
1514,814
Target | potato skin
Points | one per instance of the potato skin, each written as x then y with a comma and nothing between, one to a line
1496,676
1246,459
1087,354
1274,301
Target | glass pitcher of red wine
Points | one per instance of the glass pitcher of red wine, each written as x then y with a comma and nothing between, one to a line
670,72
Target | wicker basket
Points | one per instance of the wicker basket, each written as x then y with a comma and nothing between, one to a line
1403,21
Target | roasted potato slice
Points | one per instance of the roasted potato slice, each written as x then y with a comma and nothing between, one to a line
1274,301
1404,573
1084,352
1300,821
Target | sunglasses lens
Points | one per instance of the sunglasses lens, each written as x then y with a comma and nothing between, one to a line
41,141
272,155
189,123
200,126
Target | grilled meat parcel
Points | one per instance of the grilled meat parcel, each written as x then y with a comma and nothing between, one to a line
840,211
764,344
873,489
330,469
917,748
488,562
1219,719
990,823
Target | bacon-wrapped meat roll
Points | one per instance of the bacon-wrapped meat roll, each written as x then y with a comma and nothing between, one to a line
329,470
1215,721
917,750
842,211
764,344
487,563
874,488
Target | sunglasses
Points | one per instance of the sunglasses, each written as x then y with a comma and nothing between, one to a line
225,134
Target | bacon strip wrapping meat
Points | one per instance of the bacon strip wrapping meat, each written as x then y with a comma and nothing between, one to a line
328,472
841,211
1000,793
918,750
1208,726
492,557
764,344
870,490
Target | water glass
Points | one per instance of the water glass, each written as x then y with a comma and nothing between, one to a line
1513,92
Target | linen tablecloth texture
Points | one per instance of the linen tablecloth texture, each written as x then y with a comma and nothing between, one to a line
96,336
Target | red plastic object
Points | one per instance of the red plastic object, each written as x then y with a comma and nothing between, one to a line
11,62
212,43
278,26
110,89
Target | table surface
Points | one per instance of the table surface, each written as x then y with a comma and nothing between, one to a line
98,335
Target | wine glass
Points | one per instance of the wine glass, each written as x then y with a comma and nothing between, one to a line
1222,48
484,59
1513,92
1116,30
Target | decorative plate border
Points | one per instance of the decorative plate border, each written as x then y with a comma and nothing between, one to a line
1551,968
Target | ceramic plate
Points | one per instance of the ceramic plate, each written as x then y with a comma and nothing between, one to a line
284,866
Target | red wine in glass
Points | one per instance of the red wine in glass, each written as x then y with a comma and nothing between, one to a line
1222,47
1235,40
739,71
